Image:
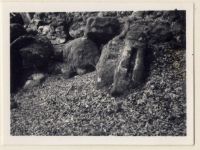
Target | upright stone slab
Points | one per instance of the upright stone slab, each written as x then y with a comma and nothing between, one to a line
108,61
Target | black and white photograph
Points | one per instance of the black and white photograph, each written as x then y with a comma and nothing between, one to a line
119,73
116,74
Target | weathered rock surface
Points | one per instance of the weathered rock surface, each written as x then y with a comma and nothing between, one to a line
58,52
157,107
78,25
57,68
53,25
138,35
102,29
125,40
29,54
122,57
34,51
77,29
80,53
108,61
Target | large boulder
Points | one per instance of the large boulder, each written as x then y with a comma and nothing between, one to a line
122,61
142,32
36,52
80,55
29,54
102,29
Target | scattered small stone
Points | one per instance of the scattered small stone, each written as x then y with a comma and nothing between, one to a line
34,80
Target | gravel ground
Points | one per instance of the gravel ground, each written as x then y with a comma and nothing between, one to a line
74,106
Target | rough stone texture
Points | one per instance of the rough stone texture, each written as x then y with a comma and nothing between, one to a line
35,51
44,30
78,25
161,33
73,107
35,23
107,62
127,66
57,68
102,29
53,25
140,34
58,52
77,29
121,78
138,38
29,54
80,53
120,66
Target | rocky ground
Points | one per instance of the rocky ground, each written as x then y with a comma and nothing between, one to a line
75,107
68,80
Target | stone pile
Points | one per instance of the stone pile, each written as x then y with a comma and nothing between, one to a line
53,25
123,59
119,45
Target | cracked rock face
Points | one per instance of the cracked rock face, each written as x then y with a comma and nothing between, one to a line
122,60
108,61
127,68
